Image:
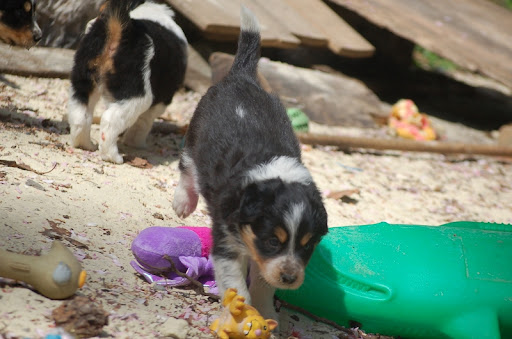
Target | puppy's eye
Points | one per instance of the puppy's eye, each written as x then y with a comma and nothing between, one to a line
273,243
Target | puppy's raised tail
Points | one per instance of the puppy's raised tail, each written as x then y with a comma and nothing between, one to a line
116,18
248,52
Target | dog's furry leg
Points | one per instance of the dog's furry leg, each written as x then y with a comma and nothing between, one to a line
136,135
115,120
261,293
229,273
80,119
186,193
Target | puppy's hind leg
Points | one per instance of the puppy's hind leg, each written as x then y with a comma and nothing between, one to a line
80,112
136,135
186,193
115,120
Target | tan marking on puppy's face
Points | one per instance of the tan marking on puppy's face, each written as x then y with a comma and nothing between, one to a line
27,6
19,37
305,239
281,234
271,269
248,237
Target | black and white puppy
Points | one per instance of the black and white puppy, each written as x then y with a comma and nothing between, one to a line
135,56
242,156
17,23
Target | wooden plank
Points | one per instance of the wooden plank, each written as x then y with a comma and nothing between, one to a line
49,62
294,22
343,39
284,23
346,142
221,19
38,61
475,34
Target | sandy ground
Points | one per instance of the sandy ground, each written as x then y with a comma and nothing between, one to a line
104,206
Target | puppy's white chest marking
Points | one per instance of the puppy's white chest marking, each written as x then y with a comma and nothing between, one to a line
285,168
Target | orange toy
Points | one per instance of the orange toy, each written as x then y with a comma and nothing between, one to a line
239,320
406,121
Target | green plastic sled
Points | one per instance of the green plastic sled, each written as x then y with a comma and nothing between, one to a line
449,281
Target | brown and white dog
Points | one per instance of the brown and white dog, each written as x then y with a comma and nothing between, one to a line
18,26
242,156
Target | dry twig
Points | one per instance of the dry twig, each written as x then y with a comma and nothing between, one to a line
197,284
11,163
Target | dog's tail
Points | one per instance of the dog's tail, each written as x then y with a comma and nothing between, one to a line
248,52
120,10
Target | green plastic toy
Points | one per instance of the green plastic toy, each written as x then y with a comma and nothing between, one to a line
299,119
448,281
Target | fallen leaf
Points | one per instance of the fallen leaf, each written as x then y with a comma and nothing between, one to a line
336,195
56,229
138,162
158,216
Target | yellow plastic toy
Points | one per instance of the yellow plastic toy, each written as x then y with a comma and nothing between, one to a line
239,320
56,274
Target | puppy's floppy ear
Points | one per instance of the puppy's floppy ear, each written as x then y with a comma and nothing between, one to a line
255,197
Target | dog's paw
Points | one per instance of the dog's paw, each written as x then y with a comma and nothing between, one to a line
111,155
184,204
116,158
88,146
139,143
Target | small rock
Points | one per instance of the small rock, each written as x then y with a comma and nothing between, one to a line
34,184
174,328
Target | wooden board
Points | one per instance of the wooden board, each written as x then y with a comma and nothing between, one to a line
38,61
327,99
294,22
284,23
343,39
474,34
57,63
220,19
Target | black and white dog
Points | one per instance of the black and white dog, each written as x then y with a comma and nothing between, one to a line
17,23
135,56
242,156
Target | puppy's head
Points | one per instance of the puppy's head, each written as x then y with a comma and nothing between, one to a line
17,23
281,224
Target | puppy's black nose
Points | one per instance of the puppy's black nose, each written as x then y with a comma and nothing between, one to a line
288,278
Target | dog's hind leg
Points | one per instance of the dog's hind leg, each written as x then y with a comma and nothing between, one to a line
80,112
116,119
136,135
186,193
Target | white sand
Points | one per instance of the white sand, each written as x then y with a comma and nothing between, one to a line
106,205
